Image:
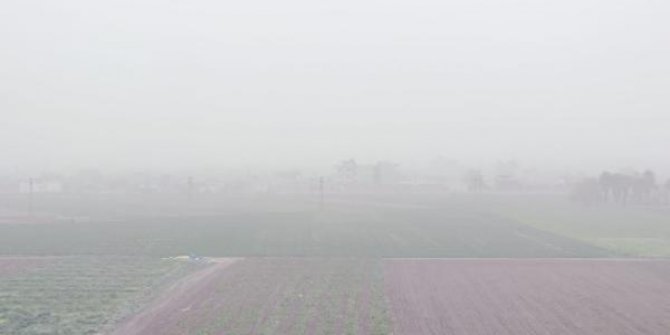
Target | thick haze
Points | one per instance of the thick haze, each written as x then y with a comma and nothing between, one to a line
147,84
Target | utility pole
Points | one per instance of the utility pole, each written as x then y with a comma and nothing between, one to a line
321,191
30,197
190,188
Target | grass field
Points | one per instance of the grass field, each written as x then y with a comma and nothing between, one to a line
435,227
375,233
631,231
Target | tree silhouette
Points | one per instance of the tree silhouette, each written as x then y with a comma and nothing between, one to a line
474,180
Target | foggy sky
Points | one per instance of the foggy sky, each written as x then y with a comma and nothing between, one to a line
133,83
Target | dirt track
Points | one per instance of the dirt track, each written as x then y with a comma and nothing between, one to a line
175,301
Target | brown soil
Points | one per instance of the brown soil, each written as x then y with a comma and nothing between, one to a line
529,296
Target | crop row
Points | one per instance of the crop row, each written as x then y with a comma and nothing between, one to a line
78,295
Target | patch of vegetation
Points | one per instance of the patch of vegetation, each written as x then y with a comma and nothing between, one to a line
441,231
79,295
624,230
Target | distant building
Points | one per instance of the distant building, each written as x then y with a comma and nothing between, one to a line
41,186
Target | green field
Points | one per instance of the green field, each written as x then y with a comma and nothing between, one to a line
79,295
629,231
463,225
449,229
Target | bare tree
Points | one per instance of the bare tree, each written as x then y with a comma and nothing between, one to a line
347,170
474,180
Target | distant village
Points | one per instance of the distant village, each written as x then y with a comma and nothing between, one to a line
352,176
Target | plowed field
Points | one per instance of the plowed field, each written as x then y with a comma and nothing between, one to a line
518,297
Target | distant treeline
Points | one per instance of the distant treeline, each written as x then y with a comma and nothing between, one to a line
622,188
